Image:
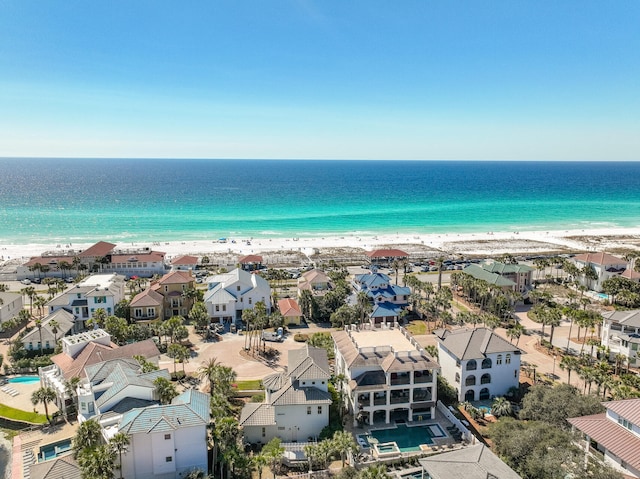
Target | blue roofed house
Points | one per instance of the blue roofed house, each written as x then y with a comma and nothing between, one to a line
388,299
166,441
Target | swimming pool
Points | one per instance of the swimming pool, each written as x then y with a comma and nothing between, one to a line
24,379
408,438
51,451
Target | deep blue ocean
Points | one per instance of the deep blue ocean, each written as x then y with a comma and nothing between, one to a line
119,200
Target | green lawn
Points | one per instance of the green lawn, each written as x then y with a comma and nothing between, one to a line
20,415
417,327
250,385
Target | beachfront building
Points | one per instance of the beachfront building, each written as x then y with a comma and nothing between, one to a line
615,434
98,291
52,328
494,279
621,335
388,376
478,363
250,262
290,311
101,257
520,274
184,263
168,296
314,280
10,306
82,350
296,403
603,265
386,257
228,294
166,441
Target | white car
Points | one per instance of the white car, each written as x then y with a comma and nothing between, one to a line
26,281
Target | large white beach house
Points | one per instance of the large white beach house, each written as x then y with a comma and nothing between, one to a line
388,375
230,293
478,363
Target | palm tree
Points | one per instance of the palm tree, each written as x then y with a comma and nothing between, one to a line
259,461
374,472
39,326
53,324
44,395
88,436
515,332
97,463
440,265
119,443
165,390
207,370
570,363
343,442
501,406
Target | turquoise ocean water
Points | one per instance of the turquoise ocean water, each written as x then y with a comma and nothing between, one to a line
120,200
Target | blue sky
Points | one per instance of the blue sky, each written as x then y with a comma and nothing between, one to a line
420,79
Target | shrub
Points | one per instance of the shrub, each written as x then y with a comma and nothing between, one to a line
257,397
301,337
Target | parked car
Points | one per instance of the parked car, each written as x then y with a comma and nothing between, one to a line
26,281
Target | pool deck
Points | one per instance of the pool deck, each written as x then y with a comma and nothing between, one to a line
439,443
23,399
26,445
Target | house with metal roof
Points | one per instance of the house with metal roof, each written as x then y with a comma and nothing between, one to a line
47,335
520,274
621,334
165,440
230,293
478,363
492,278
296,403
604,265
388,375
475,462
614,433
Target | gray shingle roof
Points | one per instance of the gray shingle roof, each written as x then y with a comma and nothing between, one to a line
475,462
63,467
627,318
258,414
473,343
65,322
292,395
308,363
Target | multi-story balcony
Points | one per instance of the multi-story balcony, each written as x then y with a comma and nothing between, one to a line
400,378
399,397
380,399
420,377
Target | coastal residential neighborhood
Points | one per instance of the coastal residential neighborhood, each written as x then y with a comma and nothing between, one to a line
131,363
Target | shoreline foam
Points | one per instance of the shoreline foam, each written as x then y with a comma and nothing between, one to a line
486,243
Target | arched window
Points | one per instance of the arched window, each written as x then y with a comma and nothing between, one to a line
472,365
486,363
485,379
484,394
499,359
470,381
507,359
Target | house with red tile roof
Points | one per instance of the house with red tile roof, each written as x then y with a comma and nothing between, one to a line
290,311
386,256
615,433
250,262
604,265
100,257
184,263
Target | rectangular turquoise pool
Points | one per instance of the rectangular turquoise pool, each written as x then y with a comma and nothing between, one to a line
51,451
408,438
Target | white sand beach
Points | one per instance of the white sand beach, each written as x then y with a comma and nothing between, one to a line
466,244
